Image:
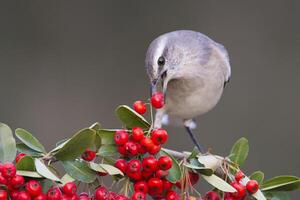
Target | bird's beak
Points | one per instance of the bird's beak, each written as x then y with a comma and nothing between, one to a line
153,87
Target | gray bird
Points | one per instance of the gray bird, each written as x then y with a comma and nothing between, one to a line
193,71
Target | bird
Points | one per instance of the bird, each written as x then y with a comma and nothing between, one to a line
192,71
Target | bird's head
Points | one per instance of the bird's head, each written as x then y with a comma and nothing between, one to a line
163,60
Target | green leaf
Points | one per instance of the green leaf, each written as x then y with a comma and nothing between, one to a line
111,170
43,170
107,150
174,174
277,196
107,136
66,179
96,126
22,148
219,183
29,174
74,147
131,118
79,171
8,149
193,154
281,183
201,170
239,151
258,176
46,184
26,164
29,140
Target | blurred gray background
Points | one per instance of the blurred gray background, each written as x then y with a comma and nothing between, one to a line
67,64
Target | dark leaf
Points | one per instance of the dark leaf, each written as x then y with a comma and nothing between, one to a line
79,171
107,150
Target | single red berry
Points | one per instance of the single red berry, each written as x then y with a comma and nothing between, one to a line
141,149
121,137
141,186
154,150
164,163
17,181
140,107
157,100
172,195
14,194
240,190
121,164
88,155
212,195
135,176
239,176
40,197
137,134
252,186
147,144
131,148
147,174
70,188
101,193
161,173
155,186
149,164
138,196
3,180
3,194
122,150
134,165
167,185
24,196
20,156
8,170
34,188
54,194
159,136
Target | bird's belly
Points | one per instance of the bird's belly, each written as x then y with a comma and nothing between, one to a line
187,103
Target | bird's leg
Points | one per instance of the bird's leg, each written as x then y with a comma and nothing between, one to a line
188,126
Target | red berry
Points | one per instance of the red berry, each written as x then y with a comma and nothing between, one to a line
101,193
147,144
3,195
164,163
24,196
252,186
134,176
240,190
88,155
172,195
121,197
74,197
149,164
138,196
141,150
54,194
134,166
159,136
131,148
147,174
167,185
157,100
140,107
40,197
212,195
20,156
14,194
122,150
8,170
65,197
137,134
70,188
154,150
121,137
121,165
141,186
161,173
17,181
3,180
155,186
239,176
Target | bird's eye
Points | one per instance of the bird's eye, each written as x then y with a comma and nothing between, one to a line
161,61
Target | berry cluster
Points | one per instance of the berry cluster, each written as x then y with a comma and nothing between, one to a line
251,187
